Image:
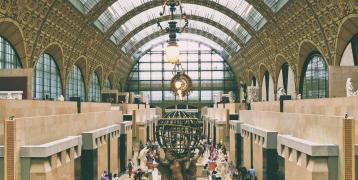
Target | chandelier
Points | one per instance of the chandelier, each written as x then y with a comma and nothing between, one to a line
172,50
181,83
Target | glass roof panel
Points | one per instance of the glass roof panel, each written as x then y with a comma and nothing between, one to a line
193,24
181,36
84,5
245,10
117,10
275,5
191,9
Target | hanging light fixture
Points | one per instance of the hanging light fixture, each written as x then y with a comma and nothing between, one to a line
172,50
181,83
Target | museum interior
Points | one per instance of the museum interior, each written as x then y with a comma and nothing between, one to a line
178,89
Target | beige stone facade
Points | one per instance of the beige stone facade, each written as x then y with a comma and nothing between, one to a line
70,137
309,136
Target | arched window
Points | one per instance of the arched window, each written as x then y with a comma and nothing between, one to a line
94,89
208,70
76,85
253,81
314,78
267,85
119,87
107,84
46,79
8,56
285,75
350,54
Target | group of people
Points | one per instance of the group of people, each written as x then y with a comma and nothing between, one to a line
145,161
106,176
217,165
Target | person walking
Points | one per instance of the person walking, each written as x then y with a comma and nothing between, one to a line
115,177
104,176
130,167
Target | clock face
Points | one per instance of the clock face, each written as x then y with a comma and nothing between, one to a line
181,84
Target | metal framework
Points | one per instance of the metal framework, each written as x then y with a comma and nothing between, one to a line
251,15
206,20
192,31
208,70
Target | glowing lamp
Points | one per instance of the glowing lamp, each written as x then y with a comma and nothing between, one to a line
172,53
178,84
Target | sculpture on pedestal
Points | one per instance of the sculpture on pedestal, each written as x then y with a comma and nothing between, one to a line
350,89
61,98
281,92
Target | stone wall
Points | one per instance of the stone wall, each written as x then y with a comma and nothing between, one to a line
25,108
102,155
320,129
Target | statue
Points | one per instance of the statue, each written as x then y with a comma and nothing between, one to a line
143,158
244,88
299,96
350,89
61,98
9,96
173,168
281,92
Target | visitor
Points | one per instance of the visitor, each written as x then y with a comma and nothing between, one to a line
235,175
150,174
104,175
138,174
130,167
213,176
141,146
115,177
206,172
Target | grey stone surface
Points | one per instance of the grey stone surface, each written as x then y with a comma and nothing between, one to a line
270,137
89,137
307,147
237,126
48,149
124,125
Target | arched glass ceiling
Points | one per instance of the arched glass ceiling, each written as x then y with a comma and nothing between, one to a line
275,5
191,9
84,5
181,36
193,24
119,8
246,11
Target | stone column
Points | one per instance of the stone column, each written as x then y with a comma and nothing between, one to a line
348,149
9,150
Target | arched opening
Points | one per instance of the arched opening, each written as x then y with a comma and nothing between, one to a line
253,81
286,79
107,84
9,59
75,84
267,88
350,54
208,70
46,79
94,94
314,77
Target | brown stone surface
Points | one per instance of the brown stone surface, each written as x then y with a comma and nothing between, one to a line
102,155
258,160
